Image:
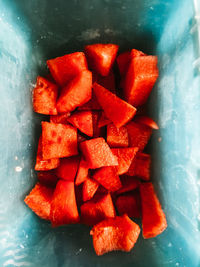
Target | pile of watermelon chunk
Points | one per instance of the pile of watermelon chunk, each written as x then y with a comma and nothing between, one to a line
90,161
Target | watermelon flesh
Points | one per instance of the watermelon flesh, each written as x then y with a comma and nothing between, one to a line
101,57
153,218
119,233
68,168
83,121
39,200
97,209
140,166
65,68
97,153
90,187
117,137
63,206
58,140
140,78
45,96
116,109
77,92
108,178
125,157
44,164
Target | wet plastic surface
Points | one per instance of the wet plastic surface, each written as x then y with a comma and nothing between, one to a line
33,31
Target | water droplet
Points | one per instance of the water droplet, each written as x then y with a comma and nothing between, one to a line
18,168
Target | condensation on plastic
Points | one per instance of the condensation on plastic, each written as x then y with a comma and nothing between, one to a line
32,31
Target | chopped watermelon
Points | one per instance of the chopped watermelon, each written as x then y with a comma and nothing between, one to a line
108,178
68,168
39,200
119,233
97,209
60,118
129,204
47,178
63,206
139,134
125,157
103,120
58,140
82,172
128,184
77,92
101,57
41,163
97,153
124,58
153,218
45,96
147,121
90,187
117,110
140,166
65,68
140,78
83,121
117,137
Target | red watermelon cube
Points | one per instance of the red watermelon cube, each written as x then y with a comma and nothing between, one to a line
39,200
108,178
140,166
68,168
45,96
140,78
101,57
82,172
58,140
119,233
97,153
90,187
44,164
124,58
63,206
117,137
65,68
153,218
77,92
97,209
116,109
139,134
83,121
125,157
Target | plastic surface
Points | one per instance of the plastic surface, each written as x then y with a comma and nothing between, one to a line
33,31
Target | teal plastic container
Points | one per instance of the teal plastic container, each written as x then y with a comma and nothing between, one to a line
33,31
